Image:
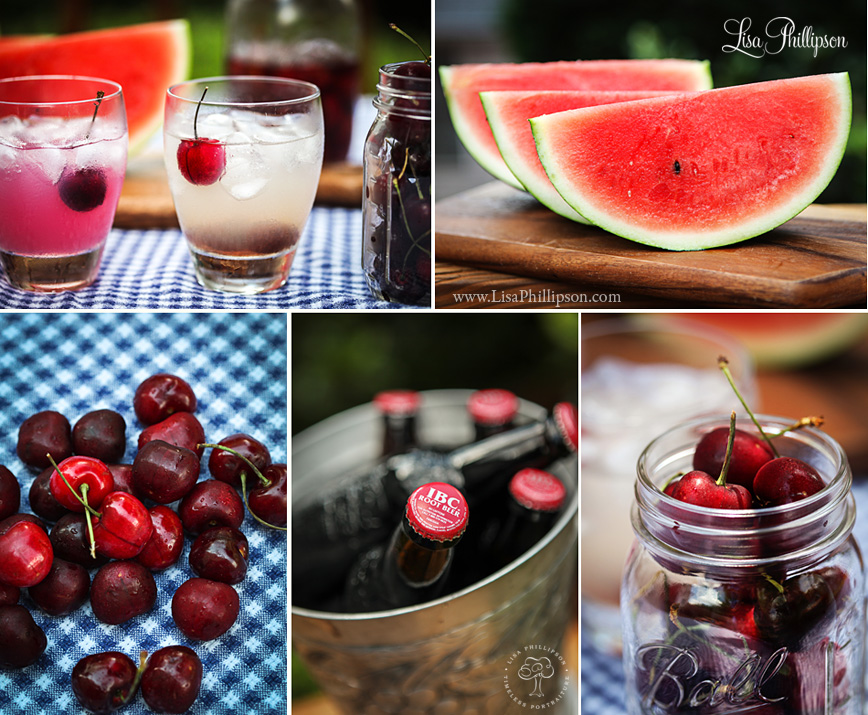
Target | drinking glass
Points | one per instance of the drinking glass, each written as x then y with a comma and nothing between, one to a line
63,155
243,155
637,379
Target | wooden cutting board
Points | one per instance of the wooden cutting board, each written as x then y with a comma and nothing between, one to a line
146,202
815,260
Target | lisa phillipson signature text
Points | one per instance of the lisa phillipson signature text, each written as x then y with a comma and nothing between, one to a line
780,34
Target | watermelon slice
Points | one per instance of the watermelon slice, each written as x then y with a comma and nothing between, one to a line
508,113
144,59
699,170
463,83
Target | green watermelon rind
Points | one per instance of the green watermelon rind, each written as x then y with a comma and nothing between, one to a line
612,222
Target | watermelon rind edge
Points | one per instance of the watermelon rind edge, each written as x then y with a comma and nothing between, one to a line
692,241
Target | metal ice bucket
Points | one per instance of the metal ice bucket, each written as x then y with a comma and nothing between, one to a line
461,653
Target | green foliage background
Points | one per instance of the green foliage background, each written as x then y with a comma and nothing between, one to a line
547,30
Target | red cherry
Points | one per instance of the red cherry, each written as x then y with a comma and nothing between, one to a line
671,487
161,396
702,489
268,501
227,467
78,472
44,433
104,682
201,161
123,527
25,553
64,590
100,434
10,493
82,189
785,480
749,453
22,641
122,590
181,429
171,681
163,472
123,477
211,503
204,609
167,541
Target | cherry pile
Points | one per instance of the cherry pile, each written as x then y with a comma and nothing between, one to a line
125,522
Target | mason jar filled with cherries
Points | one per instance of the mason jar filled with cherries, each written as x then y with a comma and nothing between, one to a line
396,248
745,589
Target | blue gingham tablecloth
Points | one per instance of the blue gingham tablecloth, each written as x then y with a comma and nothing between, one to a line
152,269
237,366
603,675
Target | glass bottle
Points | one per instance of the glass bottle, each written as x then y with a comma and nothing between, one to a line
755,610
399,409
331,528
492,411
396,245
317,41
414,565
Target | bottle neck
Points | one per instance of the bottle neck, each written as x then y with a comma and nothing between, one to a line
399,434
416,565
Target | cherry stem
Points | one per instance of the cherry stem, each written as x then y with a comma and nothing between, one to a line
240,456
723,364
140,671
812,421
87,507
397,29
774,583
196,115
84,490
253,513
99,95
721,480
671,479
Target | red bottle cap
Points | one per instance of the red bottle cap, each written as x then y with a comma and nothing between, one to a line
537,490
397,403
437,511
492,407
567,419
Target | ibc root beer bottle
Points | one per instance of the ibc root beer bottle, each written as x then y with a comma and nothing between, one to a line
399,409
331,528
492,411
414,565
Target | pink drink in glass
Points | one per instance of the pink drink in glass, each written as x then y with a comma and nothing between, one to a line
62,163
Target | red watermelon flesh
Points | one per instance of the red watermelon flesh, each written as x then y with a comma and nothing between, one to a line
463,83
508,113
699,170
144,59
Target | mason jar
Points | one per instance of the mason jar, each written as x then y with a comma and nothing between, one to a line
396,248
756,610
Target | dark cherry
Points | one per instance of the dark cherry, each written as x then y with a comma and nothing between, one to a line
171,681
167,541
44,433
211,503
100,434
123,527
205,609
78,472
42,501
228,468
69,538
201,161
25,553
268,501
181,429
9,595
64,590
787,612
122,590
10,493
702,489
82,189
161,396
123,476
785,480
16,518
22,641
104,682
749,453
415,68
163,472
220,554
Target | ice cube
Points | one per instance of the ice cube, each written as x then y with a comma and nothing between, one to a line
246,169
217,125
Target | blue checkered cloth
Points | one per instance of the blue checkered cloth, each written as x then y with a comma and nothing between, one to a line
152,269
237,366
603,675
